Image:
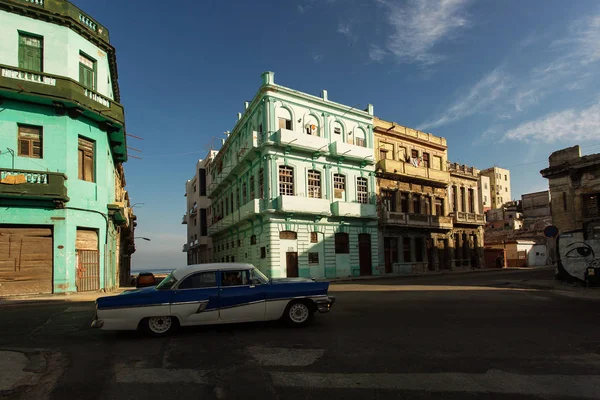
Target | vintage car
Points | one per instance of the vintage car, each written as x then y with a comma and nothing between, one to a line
213,294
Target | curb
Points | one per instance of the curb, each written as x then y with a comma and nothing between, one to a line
49,298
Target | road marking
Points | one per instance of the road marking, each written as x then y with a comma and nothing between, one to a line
134,374
284,357
493,381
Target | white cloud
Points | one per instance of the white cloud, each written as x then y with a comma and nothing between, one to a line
570,124
481,96
584,40
345,29
376,53
419,25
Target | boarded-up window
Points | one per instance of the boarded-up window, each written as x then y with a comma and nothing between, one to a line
86,160
591,206
339,186
313,258
342,243
288,235
314,238
30,141
87,239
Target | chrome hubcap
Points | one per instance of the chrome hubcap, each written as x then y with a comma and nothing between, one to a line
298,312
159,324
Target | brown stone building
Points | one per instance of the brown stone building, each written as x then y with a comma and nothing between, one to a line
574,183
415,224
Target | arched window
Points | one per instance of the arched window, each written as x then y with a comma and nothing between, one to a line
284,118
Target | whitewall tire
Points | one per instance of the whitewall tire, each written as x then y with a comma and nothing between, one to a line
298,313
160,326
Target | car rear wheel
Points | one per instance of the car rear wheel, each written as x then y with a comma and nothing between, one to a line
161,326
298,313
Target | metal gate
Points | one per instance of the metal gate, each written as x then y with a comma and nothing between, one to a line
88,270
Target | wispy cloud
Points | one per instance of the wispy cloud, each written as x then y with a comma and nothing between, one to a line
571,124
419,25
482,95
376,53
345,29
317,58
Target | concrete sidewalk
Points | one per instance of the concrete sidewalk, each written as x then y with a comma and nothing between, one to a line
65,297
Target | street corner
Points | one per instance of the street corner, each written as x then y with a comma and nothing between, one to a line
23,369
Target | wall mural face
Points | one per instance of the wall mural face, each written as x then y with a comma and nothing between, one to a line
576,253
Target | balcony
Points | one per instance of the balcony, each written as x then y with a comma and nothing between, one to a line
469,218
407,169
416,220
32,185
358,210
351,151
248,210
303,205
184,220
300,141
221,224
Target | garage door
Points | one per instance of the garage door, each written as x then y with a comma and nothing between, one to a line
25,260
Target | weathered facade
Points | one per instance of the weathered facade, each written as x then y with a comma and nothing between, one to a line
293,187
198,245
537,212
65,222
574,183
500,188
412,177
467,216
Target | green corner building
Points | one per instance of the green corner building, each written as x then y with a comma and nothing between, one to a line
65,221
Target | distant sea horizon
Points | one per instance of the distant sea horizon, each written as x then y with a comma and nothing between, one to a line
155,271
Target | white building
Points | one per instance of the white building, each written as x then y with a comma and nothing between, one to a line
485,196
293,188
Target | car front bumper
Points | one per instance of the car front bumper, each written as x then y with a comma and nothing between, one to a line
325,305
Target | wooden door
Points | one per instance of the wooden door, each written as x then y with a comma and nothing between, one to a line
291,263
364,253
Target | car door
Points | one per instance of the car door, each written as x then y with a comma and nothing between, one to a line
195,300
240,299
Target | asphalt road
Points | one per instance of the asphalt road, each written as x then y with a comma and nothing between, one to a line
463,336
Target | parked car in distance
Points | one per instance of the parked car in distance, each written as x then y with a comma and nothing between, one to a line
213,294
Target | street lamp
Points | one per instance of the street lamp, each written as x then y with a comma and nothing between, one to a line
141,237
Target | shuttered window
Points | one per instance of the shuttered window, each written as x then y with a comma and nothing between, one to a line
87,72
86,160
31,51
30,141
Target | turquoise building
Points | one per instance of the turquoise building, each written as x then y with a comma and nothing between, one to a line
65,221
293,188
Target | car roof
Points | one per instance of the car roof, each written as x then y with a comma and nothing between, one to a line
183,271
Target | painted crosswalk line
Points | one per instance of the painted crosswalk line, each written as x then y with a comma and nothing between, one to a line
284,357
134,374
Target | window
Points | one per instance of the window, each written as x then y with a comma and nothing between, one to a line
414,153
426,160
230,203
360,142
87,71
237,198
86,160
263,252
427,202
506,189
404,202
564,199
288,235
252,192
314,184
244,193
416,199
471,201
389,200
407,254
239,243
362,190
203,228
194,189
485,186
313,258
257,277
591,205
401,153
234,278
439,206
286,180
339,186
383,154
342,243
261,184
485,199
419,249
314,238
195,221
506,177
30,141
199,281
253,239
31,52
202,179
437,163
337,130
285,123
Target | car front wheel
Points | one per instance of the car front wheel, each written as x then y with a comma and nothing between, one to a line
298,314
160,326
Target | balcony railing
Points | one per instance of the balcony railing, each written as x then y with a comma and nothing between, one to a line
416,220
19,80
32,185
407,169
469,218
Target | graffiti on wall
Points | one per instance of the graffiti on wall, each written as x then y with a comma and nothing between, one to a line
576,252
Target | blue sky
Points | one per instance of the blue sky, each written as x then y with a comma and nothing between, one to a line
506,82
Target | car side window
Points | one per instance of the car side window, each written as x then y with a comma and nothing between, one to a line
199,280
234,278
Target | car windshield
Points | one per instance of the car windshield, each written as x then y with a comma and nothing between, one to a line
167,283
257,277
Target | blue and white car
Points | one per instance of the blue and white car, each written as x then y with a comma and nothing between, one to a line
213,294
